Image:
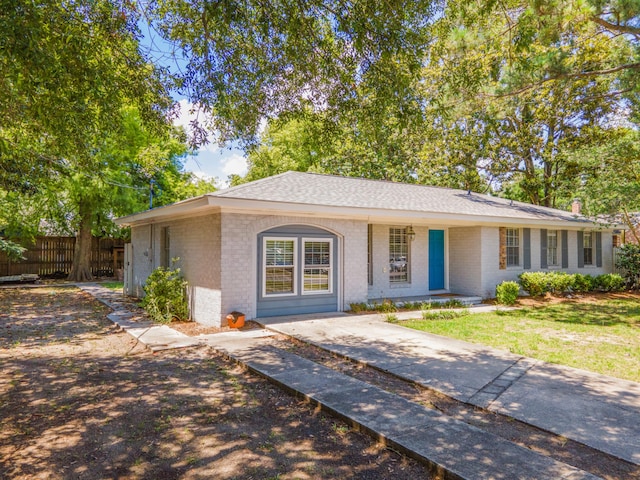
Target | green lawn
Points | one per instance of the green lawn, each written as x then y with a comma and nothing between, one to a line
603,337
113,285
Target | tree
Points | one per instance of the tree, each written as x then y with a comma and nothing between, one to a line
530,43
610,184
71,72
117,183
68,68
255,60
490,123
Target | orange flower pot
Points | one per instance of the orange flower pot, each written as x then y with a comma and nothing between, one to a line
235,319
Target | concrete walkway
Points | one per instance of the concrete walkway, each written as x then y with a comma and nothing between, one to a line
598,411
156,337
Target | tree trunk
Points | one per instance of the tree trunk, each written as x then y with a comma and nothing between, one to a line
81,267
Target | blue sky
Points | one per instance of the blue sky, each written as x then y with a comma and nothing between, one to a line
210,161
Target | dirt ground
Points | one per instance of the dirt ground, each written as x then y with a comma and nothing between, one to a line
81,400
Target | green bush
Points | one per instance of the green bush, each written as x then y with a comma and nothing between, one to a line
559,282
609,282
392,318
444,314
535,283
166,296
507,293
452,303
358,307
386,306
628,260
583,283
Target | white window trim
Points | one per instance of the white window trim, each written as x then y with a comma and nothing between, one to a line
591,247
553,266
330,268
294,266
402,283
520,265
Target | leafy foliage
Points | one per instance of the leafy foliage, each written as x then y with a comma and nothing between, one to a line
629,261
583,283
68,69
611,178
610,282
539,283
13,250
535,283
165,295
507,293
253,60
559,282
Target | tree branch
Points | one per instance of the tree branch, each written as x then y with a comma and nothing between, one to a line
561,76
616,27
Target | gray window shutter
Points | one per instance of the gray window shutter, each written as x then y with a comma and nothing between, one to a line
598,249
543,248
565,249
526,248
580,250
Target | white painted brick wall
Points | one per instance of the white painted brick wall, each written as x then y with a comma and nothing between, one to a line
465,261
419,264
494,276
142,257
222,269
196,241
239,257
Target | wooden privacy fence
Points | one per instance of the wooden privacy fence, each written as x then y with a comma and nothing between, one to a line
53,256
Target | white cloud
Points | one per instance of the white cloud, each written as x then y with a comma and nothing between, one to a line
234,164
210,161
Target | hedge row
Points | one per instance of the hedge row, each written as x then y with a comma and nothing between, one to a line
539,283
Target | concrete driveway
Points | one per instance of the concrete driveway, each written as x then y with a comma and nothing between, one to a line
599,411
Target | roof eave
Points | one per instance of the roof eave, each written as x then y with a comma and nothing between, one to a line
183,208
208,202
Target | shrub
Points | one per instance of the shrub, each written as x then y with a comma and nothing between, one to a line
444,314
166,296
628,260
507,293
358,307
392,318
610,282
411,306
452,303
583,283
559,282
386,306
426,306
535,283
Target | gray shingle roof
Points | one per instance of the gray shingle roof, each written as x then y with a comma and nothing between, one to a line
334,191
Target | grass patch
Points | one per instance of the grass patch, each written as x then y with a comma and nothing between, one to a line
602,337
113,285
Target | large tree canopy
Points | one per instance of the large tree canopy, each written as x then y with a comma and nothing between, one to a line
67,69
248,61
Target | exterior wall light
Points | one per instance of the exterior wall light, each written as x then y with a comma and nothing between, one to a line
410,233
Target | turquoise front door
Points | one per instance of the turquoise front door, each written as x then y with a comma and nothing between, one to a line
436,259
